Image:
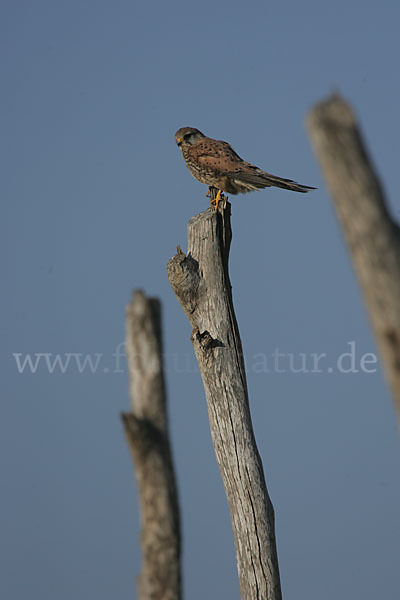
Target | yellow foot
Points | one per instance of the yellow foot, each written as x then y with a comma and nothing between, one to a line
220,196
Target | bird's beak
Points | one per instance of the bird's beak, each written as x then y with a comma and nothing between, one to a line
179,141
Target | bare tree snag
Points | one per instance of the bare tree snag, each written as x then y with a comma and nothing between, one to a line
201,283
146,429
372,236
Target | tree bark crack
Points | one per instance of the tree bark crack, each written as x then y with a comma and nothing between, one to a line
255,525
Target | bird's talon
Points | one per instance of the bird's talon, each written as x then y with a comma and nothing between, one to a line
220,196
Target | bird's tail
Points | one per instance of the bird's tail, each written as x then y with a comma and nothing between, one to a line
257,179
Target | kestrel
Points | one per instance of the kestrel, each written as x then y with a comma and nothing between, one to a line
215,163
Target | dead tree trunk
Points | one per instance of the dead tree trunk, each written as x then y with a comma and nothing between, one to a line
146,429
372,236
201,283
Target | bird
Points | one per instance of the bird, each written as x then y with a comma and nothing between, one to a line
215,163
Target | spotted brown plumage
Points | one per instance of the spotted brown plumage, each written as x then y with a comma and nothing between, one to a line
216,164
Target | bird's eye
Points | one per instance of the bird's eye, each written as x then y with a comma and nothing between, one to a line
187,136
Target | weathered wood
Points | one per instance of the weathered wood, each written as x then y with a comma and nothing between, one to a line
371,234
201,283
146,429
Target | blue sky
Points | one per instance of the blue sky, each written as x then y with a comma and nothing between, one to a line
96,197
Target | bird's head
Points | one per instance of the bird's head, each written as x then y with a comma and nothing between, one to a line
187,136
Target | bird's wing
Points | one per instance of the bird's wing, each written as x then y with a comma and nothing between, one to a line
220,156
254,178
216,154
